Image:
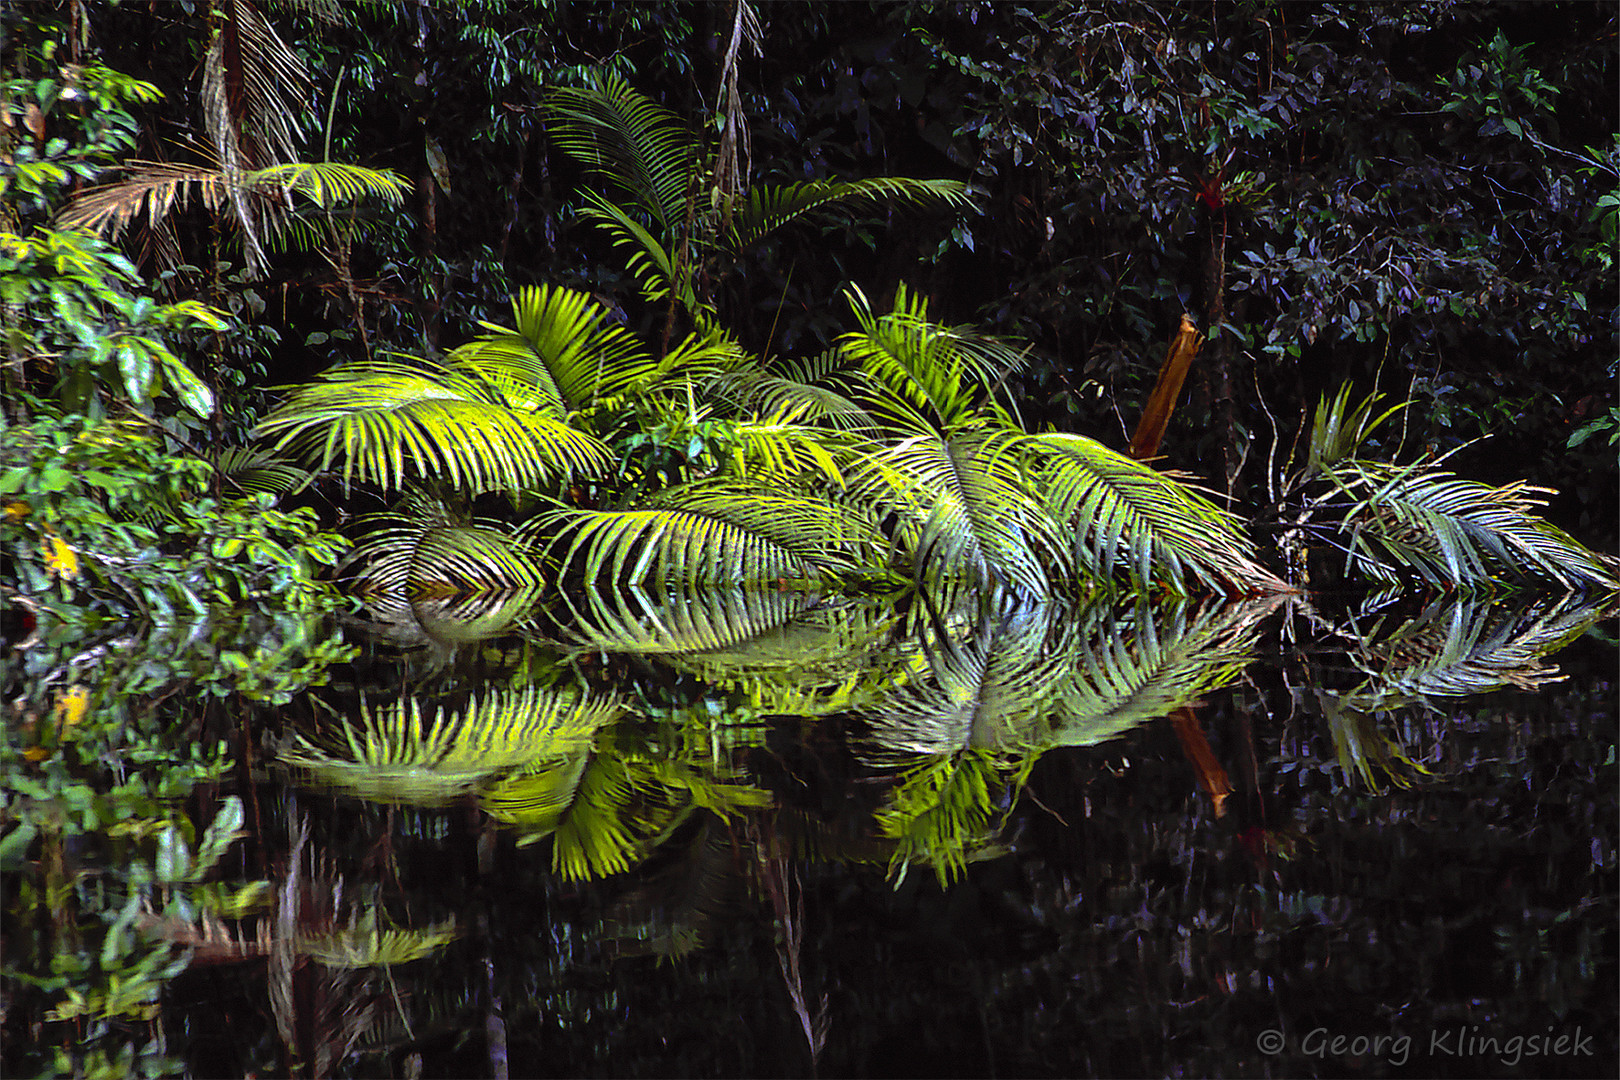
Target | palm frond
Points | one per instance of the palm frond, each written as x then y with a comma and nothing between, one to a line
1455,532
1126,517
939,373
567,344
154,190
769,208
966,508
632,142
820,389
1127,671
362,943
329,183
943,812
834,535
1338,429
395,754
666,549
992,691
834,656
1461,646
380,415
457,583
254,88
656,268
619,810
534,800
252,93
254,472
781,446
151,191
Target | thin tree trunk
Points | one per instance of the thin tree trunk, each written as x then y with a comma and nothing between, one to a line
427,233
1219,354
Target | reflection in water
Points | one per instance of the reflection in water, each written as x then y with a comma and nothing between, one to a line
571,840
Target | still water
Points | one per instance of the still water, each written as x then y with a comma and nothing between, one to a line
1359,836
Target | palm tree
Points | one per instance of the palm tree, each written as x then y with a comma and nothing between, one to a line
681,212
253,90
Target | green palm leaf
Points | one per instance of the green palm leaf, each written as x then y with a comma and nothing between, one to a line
565,343
1457,532
769,208
827,388
1461,646
992,691
627,139
534,800
666,549
935,375
330,183
389,418
662,580
657,269
1125,516
395,754
966,508
1127,671
254,472
780,446
944,811
362,943
612,823
834,656
833,535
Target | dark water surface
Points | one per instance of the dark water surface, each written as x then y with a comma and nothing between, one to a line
1360,838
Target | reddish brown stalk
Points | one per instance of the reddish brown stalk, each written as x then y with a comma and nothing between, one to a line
1162,402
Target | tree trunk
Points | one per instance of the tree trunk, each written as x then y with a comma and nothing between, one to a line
1219,354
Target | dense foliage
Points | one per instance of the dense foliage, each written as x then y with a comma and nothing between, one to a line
637,331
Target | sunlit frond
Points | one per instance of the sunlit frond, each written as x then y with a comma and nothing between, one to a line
837,535
1124,516
572,344
666,549
834,656
943,375
781,446
388,419
329,183
534,800
966,508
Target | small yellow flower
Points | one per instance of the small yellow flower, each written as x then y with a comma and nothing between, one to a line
60,559
16,511
70,707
